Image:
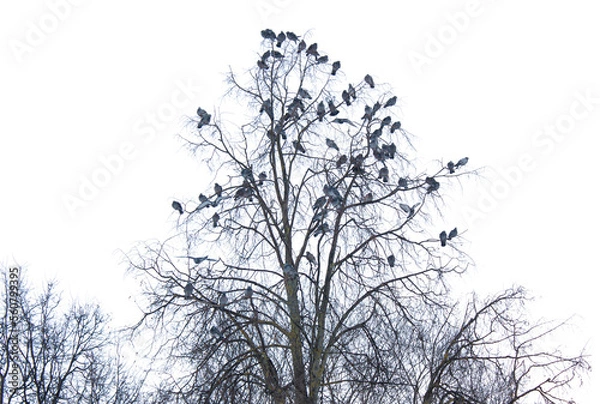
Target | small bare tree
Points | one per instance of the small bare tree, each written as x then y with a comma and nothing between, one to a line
57,353
313,270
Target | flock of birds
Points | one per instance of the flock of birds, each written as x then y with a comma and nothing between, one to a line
331,195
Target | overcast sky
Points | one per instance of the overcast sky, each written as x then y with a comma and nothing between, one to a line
94,93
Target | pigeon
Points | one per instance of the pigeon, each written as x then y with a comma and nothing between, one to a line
204,117
319,203
291,36
403,183
433,185
188,290
204,202
351,91
261,178
216,333
262,64
443,238
395,126
463,161
451,167
215,219
268,108
389,150
280,38
268,34
321,111
312,50
276,55
177,206
265,56
384,174
368,113
405,208
247,173
386,121
341,161
453,233
321,229
301,46
376,107
333,111
218,189
298,146
248,293
223,300
311,258
346,97
335,66
391,260
323,59
304,94
318,217
391,102
369,81
199,260
344,120
331,143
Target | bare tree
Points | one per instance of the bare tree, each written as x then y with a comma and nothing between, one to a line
313,270
54,352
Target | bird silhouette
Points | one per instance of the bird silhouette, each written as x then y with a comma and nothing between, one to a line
453,233
188,290
218,189
369,81
443,238
268,108
321,229
248,292
311,258
351,91
319,203
262,64
346,97
391,259
177,206
199,260
368,113
247,173
395,126
405,208
312,50
215,219
261,178
268,34
204,117
403,182
432,184
304,94
332,144
204,202
367,198
386,121
291,36
335,66
391,102
323,59
333,111
276,55
301,46
280,38
321,111
451,167
341,161
384,174
343,120
298,146
463,161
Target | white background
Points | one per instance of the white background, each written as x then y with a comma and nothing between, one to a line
498,81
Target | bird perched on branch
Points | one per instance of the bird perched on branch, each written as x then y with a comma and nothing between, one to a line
215,219
463,161
301,46
332,144
453,233
391,260
311,258
188,290
369,81
312,50
335,66
341,161
248,292
333,111
177,206
443,238
217,333
391,102
321,111
268,34
298,146
280,38
395,126
291,36
218,189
